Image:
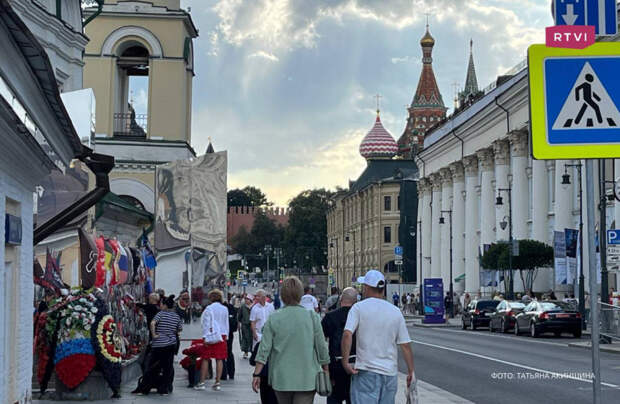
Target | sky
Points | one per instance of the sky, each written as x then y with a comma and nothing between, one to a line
287,86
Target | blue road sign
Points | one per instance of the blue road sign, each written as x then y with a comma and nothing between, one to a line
398,250
602,14
582,95
613,237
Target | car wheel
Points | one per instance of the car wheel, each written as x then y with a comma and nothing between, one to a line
463,324
503,327
577,334
517,331
491,326
533,331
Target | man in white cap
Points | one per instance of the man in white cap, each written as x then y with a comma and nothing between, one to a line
379,328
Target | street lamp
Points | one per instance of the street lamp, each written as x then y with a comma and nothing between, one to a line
499,202
267,249
566,181
443,221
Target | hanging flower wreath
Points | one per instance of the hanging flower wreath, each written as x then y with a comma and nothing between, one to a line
110,342
104,340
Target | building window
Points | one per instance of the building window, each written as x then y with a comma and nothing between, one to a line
387,234
398,202
387,203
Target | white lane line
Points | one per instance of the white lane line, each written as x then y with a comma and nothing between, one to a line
495,335
553,374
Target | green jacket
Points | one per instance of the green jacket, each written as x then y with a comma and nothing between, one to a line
243,315
294,344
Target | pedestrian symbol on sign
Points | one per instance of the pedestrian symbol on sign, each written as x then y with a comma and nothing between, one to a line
588,105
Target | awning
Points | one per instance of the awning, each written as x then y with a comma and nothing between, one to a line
460,278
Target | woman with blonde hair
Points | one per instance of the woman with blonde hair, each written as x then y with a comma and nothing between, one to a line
295,347
214,320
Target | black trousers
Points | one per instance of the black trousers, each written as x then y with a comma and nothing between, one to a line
165,357
228,371
267,394
342,384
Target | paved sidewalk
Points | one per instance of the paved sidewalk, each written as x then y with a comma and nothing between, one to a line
239,391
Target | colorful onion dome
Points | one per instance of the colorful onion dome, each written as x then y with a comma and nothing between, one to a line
378,143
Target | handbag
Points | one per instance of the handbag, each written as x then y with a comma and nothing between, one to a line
323,384
412,392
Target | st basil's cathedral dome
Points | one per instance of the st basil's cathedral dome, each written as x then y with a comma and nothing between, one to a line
378,143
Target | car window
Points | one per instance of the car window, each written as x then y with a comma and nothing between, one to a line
516,305
486,304
555,306
530,307
501,306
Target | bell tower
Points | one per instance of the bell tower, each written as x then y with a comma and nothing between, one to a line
140,64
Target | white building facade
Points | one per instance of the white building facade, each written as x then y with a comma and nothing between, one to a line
466,162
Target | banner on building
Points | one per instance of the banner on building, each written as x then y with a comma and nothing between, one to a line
559,258
572,237
191,211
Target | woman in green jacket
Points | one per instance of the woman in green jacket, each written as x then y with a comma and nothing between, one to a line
243,318
294,344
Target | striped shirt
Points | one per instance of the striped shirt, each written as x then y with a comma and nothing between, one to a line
167,325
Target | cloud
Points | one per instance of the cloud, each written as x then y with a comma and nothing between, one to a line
264,55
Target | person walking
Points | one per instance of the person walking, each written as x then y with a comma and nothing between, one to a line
332,301
395,299
258,316
215,316
233,325
295,347
333,327
245,332
165,327
379,329
308,301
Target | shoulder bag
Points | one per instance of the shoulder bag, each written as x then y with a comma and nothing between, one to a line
323,383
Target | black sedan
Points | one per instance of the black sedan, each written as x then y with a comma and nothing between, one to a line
503,319
477,313
549,316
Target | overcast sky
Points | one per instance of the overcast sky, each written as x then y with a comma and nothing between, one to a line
287,86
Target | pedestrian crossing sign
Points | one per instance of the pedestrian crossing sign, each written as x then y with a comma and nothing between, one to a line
575,101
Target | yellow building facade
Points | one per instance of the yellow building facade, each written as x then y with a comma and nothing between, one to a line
151,40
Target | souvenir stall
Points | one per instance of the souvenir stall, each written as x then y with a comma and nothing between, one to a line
93,335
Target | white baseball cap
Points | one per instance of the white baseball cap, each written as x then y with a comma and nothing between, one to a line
373,278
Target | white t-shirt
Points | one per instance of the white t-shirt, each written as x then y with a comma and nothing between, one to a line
309,302
220,316
260,314
379,327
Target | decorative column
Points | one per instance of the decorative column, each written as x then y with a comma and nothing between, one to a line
540,201
425,240
435,230
501,150
458,224
487,197
520,187
472,223
446,204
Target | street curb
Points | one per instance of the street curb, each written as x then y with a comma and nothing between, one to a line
588,346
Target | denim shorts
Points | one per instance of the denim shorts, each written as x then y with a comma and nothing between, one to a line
373,388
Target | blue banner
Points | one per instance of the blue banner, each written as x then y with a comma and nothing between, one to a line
434,309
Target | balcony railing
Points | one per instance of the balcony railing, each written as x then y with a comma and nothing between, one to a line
129,124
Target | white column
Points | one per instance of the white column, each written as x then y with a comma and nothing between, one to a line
540,201
487,197
563,208
472,222
446,205
520,188
502,213
458,224
435,230
426,229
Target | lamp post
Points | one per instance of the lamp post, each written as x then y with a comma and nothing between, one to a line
267,249
443,221
499,202
566,181
278,254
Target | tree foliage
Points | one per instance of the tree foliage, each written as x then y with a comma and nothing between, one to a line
532,254
264,232
248,196
305,239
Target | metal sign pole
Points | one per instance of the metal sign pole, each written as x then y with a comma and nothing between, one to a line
596,364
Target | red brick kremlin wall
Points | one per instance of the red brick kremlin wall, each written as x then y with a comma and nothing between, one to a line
244,216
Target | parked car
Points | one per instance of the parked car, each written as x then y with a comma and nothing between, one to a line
503,319
549,316
477,313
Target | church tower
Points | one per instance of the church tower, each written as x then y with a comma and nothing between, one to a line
140,64
427,107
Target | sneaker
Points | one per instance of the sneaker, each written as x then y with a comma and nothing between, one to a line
217,387
200,386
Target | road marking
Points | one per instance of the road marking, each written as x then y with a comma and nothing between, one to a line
505,336
555,374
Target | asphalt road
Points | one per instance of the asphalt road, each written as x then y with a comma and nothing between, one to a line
486,367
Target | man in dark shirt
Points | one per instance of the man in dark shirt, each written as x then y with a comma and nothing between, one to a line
229,365
333,328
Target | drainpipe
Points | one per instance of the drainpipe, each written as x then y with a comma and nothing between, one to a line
507,115
100,165
423,166
59,9
462,143
92,17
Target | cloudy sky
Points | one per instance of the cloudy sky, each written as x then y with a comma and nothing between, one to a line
287,86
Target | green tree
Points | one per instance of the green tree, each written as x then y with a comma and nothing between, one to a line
242,242
306,234
256,196
532,256
237,197
265,231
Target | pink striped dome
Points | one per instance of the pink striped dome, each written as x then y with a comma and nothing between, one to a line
378,143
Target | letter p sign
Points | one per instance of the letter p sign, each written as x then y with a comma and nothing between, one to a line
613,237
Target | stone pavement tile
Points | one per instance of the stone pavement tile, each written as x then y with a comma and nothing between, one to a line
239,391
